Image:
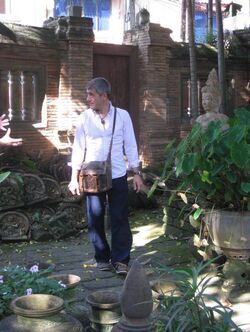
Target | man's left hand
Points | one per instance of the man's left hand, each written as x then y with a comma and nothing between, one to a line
137,182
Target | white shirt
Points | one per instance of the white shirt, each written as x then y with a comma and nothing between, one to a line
90,132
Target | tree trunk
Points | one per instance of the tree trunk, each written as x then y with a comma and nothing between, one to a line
183,20
192,58
221,58
210,21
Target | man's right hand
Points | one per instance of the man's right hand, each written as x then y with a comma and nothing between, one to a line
74,187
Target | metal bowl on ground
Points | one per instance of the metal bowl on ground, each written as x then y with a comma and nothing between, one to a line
69,280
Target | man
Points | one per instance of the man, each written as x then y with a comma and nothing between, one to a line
6,140
94,132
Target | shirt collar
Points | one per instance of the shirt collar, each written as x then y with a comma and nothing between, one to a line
110,112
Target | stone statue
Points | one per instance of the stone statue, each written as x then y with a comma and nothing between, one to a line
211,100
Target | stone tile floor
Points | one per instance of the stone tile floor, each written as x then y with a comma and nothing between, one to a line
75,255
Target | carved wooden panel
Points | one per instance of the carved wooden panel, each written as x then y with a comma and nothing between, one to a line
14,225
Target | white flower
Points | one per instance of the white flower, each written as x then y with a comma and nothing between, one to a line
204,243
34,268
28,291
1,279
61,284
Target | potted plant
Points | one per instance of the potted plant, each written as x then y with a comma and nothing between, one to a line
213,168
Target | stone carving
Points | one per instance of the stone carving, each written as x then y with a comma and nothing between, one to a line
136,302
211,100
143,17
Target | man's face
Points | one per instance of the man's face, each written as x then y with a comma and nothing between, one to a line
96,101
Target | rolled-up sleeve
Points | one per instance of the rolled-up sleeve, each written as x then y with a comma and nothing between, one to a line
130,144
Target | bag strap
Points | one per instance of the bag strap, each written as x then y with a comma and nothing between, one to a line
111,142
113,130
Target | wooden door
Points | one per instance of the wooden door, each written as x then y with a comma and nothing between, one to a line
117,63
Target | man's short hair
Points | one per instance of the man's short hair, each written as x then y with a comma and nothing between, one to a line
100,85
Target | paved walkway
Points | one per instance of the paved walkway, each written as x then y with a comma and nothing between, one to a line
150,247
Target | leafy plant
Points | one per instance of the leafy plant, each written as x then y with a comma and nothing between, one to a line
191,307
18,281
214,165
4,176
28,164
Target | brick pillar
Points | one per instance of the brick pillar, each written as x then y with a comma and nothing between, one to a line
154,44
76,38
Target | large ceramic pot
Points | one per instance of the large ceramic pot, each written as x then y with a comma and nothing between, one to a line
230,231
38,313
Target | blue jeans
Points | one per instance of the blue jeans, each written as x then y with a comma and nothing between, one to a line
121,236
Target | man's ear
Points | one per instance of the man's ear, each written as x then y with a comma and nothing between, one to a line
105,95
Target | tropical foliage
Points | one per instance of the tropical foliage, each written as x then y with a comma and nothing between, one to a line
213,166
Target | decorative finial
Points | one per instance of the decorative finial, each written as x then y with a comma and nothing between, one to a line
136,302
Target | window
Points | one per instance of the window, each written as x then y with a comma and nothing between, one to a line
21,94
100,11
186,111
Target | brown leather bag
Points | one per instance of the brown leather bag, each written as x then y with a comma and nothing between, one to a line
96,176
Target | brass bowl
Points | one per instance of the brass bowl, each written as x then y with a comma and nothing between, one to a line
37,305
104,299
69,280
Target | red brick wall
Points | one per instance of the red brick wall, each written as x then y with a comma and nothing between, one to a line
64,52
162,66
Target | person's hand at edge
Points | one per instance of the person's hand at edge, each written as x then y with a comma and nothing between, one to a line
4,122
6,140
